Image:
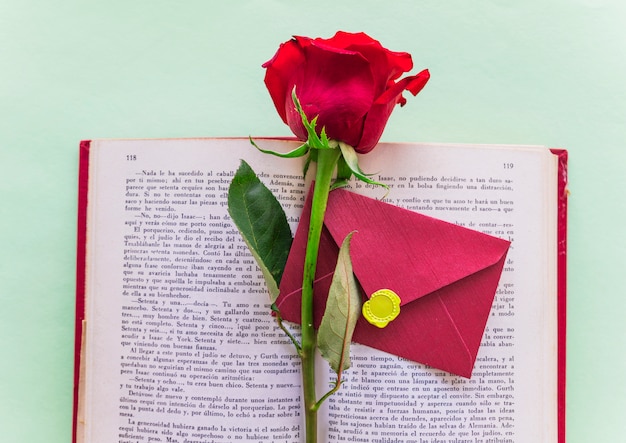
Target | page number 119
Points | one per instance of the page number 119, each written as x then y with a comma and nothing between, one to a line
508,165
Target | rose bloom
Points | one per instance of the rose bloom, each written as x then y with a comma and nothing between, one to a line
349,81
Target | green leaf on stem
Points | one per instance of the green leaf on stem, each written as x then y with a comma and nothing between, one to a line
342,311
262,223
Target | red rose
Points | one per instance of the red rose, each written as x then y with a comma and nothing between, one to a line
348,81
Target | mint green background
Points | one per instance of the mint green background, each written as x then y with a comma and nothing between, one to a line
549,72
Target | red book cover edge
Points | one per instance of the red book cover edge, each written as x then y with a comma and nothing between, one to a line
562,195
81,249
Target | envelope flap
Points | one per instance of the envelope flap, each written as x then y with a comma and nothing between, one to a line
409,253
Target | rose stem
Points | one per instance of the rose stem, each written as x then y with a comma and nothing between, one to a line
326,161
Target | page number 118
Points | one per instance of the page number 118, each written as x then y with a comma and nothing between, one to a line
131,157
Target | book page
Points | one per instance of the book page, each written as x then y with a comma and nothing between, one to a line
511,396
180,343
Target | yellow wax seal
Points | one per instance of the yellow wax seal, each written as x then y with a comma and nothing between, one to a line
382,307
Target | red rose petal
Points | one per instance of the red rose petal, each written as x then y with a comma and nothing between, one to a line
418,82
414,84
373,127
282,70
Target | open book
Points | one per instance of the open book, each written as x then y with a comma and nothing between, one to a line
174,337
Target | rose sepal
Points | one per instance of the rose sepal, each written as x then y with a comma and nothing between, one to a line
342,177
298,152
314,141
351,159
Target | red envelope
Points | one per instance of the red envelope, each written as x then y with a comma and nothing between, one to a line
445,275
